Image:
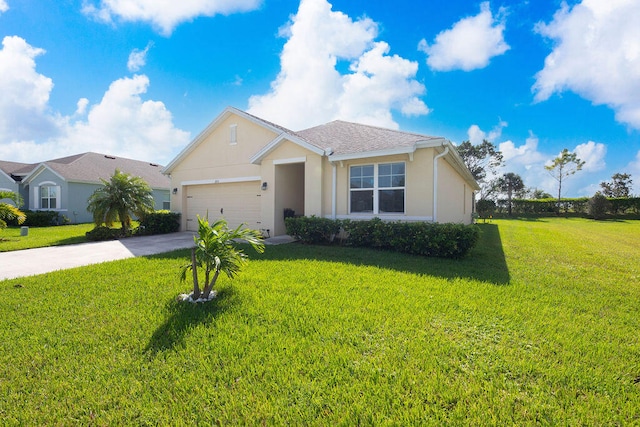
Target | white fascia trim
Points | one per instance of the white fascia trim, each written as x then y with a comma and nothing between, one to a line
369,154
289,161
257,158
388,217
222,180
37,171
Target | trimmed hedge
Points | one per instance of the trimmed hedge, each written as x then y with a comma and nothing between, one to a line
578,206
417,238
312,230
41,218
159,222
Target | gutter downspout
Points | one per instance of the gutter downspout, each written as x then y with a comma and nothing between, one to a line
334,188
334,182
435,181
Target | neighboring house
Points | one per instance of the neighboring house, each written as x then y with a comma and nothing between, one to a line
249,171
64,185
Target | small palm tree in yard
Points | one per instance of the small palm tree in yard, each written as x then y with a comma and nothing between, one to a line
119,198
216,252
9,211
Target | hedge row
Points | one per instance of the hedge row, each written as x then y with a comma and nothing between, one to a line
41,218
576,205
418,238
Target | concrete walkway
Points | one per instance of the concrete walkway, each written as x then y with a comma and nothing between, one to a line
29,262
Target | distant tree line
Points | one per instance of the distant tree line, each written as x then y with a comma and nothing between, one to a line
508,194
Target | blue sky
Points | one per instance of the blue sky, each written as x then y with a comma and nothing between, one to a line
141,78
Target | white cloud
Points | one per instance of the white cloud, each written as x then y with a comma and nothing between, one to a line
596,54
138,58
125,124
24,93
593,155
525,156
82,106
633,168
477,135
122,123
469,44
3,6
165,15
310,90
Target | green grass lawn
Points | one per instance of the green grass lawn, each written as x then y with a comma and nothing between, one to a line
540,325
11,240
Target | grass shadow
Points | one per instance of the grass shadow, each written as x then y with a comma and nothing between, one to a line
486,262
183,316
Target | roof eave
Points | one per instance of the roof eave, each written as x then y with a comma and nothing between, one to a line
42,166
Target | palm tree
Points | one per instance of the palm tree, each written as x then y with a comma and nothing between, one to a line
215,251
10,212
119,198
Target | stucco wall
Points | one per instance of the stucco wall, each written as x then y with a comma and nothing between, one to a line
288,153
418,185
454,195
217,158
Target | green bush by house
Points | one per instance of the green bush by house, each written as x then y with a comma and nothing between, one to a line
159,222
418,238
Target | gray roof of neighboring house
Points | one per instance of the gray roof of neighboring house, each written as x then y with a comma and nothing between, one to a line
90,167
14,169
351,138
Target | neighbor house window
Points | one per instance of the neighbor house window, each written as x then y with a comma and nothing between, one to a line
48,197
377,189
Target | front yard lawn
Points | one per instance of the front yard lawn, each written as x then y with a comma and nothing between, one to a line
538,326
11,240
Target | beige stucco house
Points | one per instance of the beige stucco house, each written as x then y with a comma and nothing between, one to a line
249,170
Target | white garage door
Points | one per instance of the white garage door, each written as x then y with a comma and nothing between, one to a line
238,203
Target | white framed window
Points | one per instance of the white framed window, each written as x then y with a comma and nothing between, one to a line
377,188
49,197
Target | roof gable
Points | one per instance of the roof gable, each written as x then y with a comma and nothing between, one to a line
91,167
276,129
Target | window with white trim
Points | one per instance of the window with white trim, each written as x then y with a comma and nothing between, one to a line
377,189
48,197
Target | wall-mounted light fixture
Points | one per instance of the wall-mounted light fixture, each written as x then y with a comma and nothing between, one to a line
264,186
175,191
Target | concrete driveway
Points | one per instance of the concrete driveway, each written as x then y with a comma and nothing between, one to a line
29,262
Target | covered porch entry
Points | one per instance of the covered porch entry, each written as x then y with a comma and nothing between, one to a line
288,193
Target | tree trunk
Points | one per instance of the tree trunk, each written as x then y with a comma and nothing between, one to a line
559,194
209,286
194,269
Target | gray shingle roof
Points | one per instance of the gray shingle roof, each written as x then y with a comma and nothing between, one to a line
15,168
90,167
351,138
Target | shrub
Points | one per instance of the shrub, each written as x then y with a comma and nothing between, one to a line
599,206
485,208
159,222
101,233
312,230
418,238
41,218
